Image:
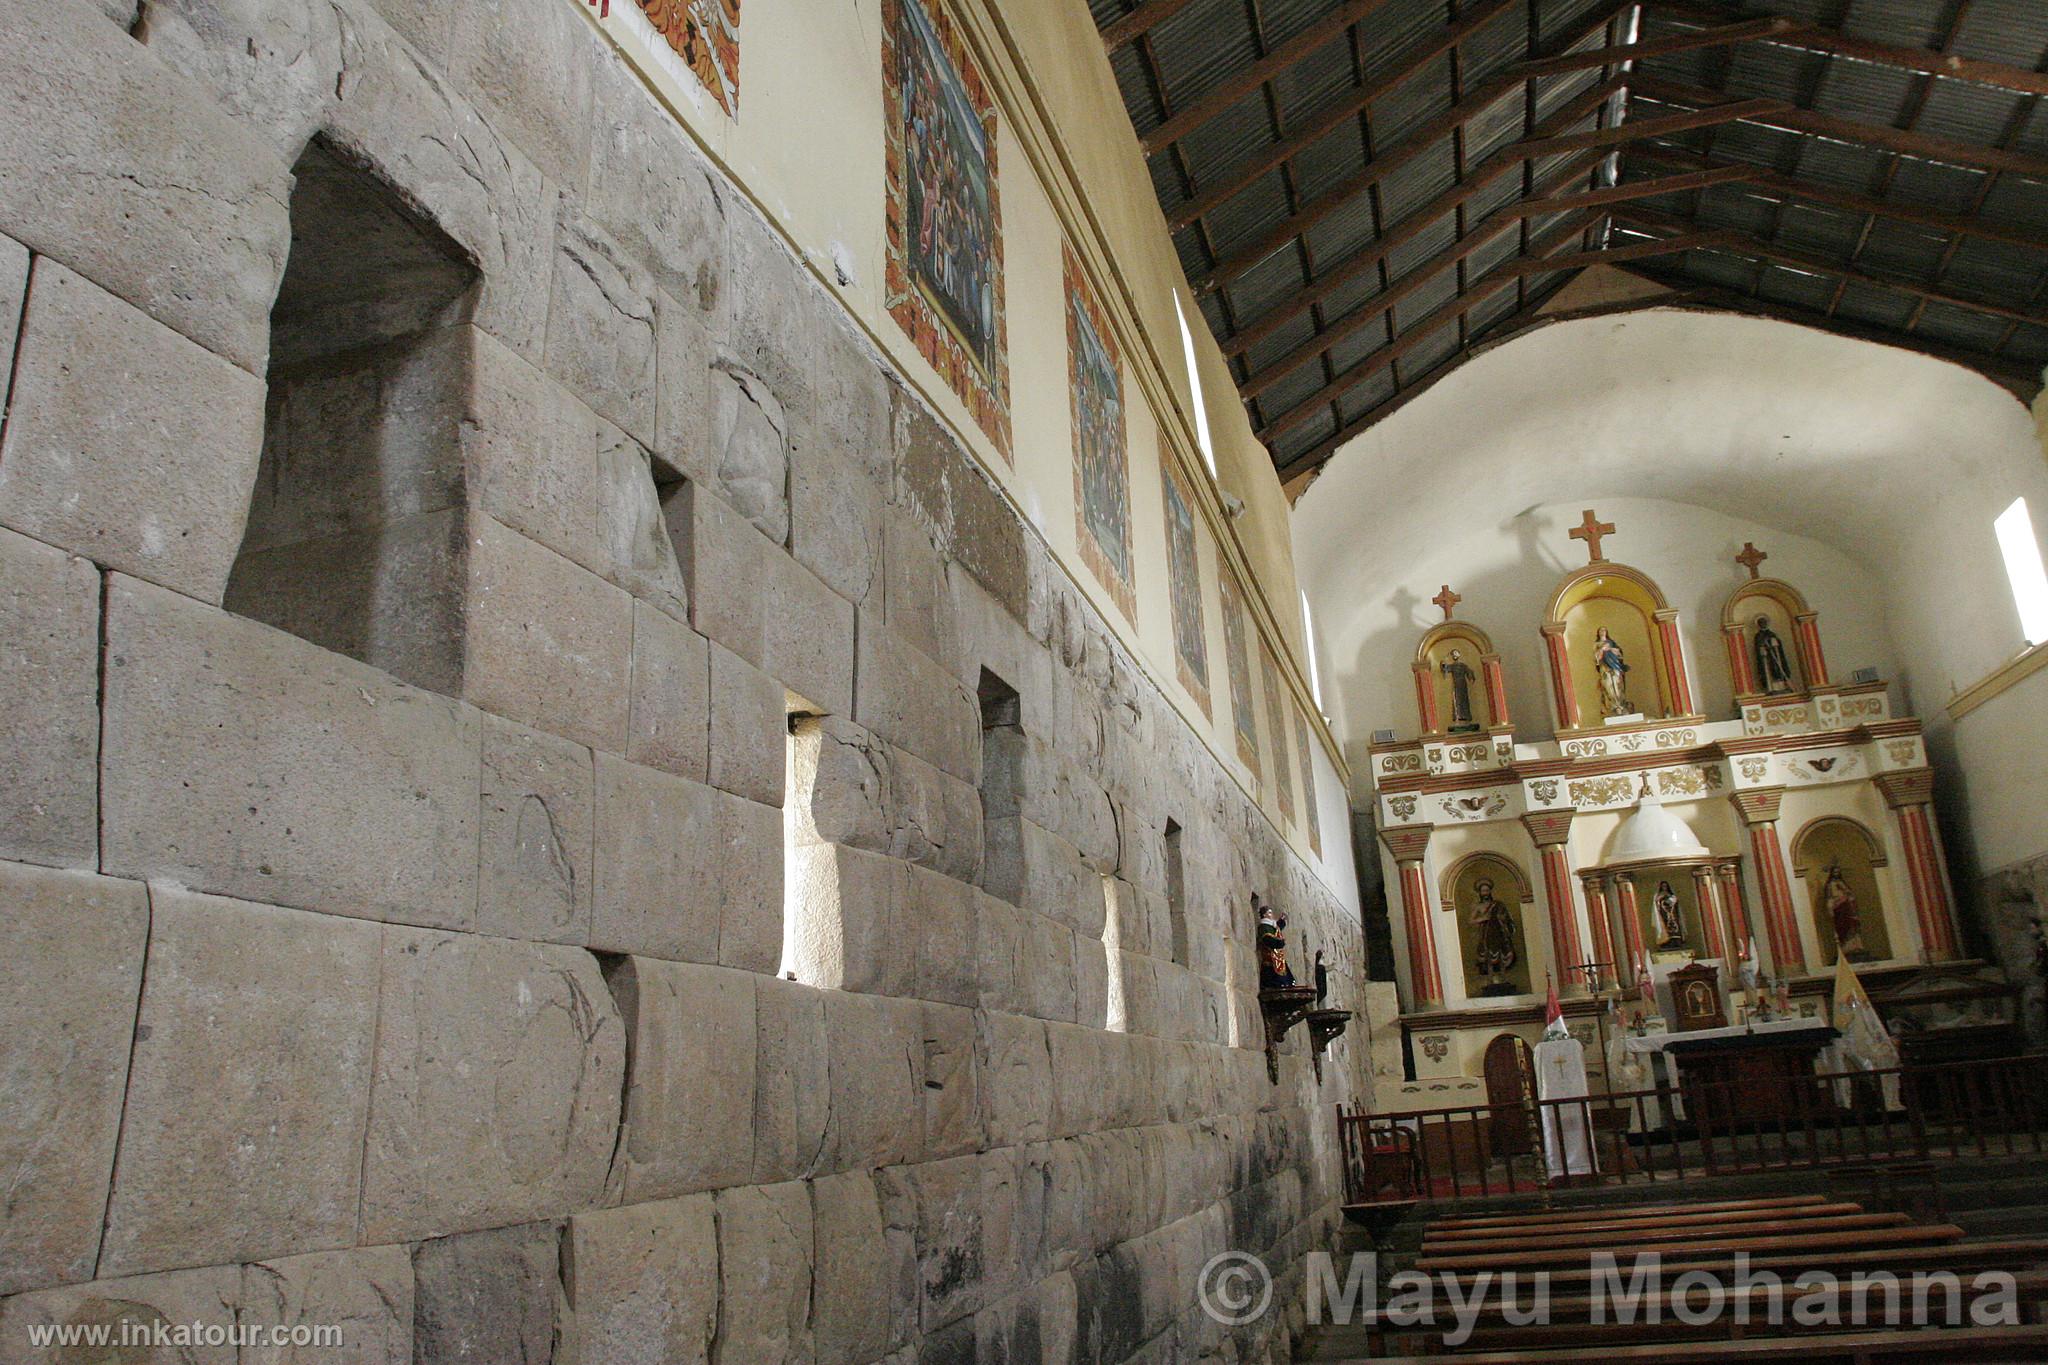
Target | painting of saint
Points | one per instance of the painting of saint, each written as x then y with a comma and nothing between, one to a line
1276,725
706,35
946,176
1308,784
1610,666
1238,659
1773,665
1184,588
944,228
1102,475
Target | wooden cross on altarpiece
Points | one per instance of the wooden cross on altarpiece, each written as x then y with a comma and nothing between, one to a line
1591,530
1447,599
1750,558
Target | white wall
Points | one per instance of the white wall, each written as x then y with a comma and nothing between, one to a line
1870,474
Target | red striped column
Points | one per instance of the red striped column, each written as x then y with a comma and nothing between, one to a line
1496,691
1707,895
1739,667
1730,877
1759,808
1631,923
1549,829
1597,920
1561,693
1408,844
1908,793
1674,660
1425,697
1806,639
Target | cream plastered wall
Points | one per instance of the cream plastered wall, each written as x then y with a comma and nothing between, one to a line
807,145
1892,462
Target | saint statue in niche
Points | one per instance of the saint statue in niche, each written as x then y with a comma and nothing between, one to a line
1773,665
1610,666
1843,913
1493,951
1274,974
1670,918
1460,673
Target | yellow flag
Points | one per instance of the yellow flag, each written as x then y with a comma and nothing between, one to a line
1864,1036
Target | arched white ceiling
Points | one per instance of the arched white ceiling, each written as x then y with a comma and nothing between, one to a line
1893,459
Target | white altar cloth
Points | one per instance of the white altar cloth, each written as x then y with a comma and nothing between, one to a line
1567,1128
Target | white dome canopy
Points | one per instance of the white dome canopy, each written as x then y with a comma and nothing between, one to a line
1652,833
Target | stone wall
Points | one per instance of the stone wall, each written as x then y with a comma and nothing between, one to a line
448,1008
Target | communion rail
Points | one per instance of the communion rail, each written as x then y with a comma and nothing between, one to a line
1690,1131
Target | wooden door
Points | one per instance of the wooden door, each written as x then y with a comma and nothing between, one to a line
1510,1087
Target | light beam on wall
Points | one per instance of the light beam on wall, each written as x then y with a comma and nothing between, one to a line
1187,348
2023,569
1308,635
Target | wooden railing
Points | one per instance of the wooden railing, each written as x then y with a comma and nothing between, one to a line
1670,1133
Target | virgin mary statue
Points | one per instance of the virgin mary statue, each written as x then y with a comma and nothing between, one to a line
1610,665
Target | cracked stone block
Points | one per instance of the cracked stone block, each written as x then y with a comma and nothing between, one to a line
778,311
751,436
49,669
654,192
658,886
764,1260
792,1081
538,814
126,442
947,1197
549,643
690,1078
1028,777
875,1047
135,1305
917,606
526,65
1016,1079
329,758
689,346
749,729
489,1298
638,554
952,1080
600,336
644,1282
174,205
758,602
71,947
530,452
271,1015
367,1293
858,790
835,511
497,1083
273,66
669,725
865,1277
911,701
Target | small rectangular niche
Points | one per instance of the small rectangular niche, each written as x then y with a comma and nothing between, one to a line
1176,894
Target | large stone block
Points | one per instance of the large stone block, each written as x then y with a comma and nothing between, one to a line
367,1294
866,1294
690,1078
272,1016
134,178
689,346
1029,866
49,667
792,1081
916,603
749,729
855,789
125,442
644,1282
750,447
538,813
835,521
549,644
13,293
909,700
764,1263
1016,1079
526,64
486,1298
778,310
496,1096
875,1046
951,1264
659,884
71,948
273,66
850,403
141,1305
1029,777
758,602
851,927
952,1082
530,453
632,530
1027,961
670,722
600,339
750,860
972,521
944,912
240,760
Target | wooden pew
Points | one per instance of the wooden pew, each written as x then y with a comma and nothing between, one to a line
1816,1218
1625,1211
2027,1343
2016,1254
1432,1235
1885,1230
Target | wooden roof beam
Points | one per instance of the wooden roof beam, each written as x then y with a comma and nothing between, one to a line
1281,59
1720,36
1835,43
1139,22
1788,117
1348,108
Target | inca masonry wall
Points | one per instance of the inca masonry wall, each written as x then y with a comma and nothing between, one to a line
450,1013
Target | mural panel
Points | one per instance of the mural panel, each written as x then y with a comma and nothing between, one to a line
706,35
1307,765
1184,587
1276,725
1237,651
945,225
1102,466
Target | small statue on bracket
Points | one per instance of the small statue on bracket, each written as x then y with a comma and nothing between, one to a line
1322,978
1274,974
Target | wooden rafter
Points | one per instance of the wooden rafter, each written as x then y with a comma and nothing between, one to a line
1282,58
1140,21
1692,41
1489,283
1791,118
1241,178
1835,43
